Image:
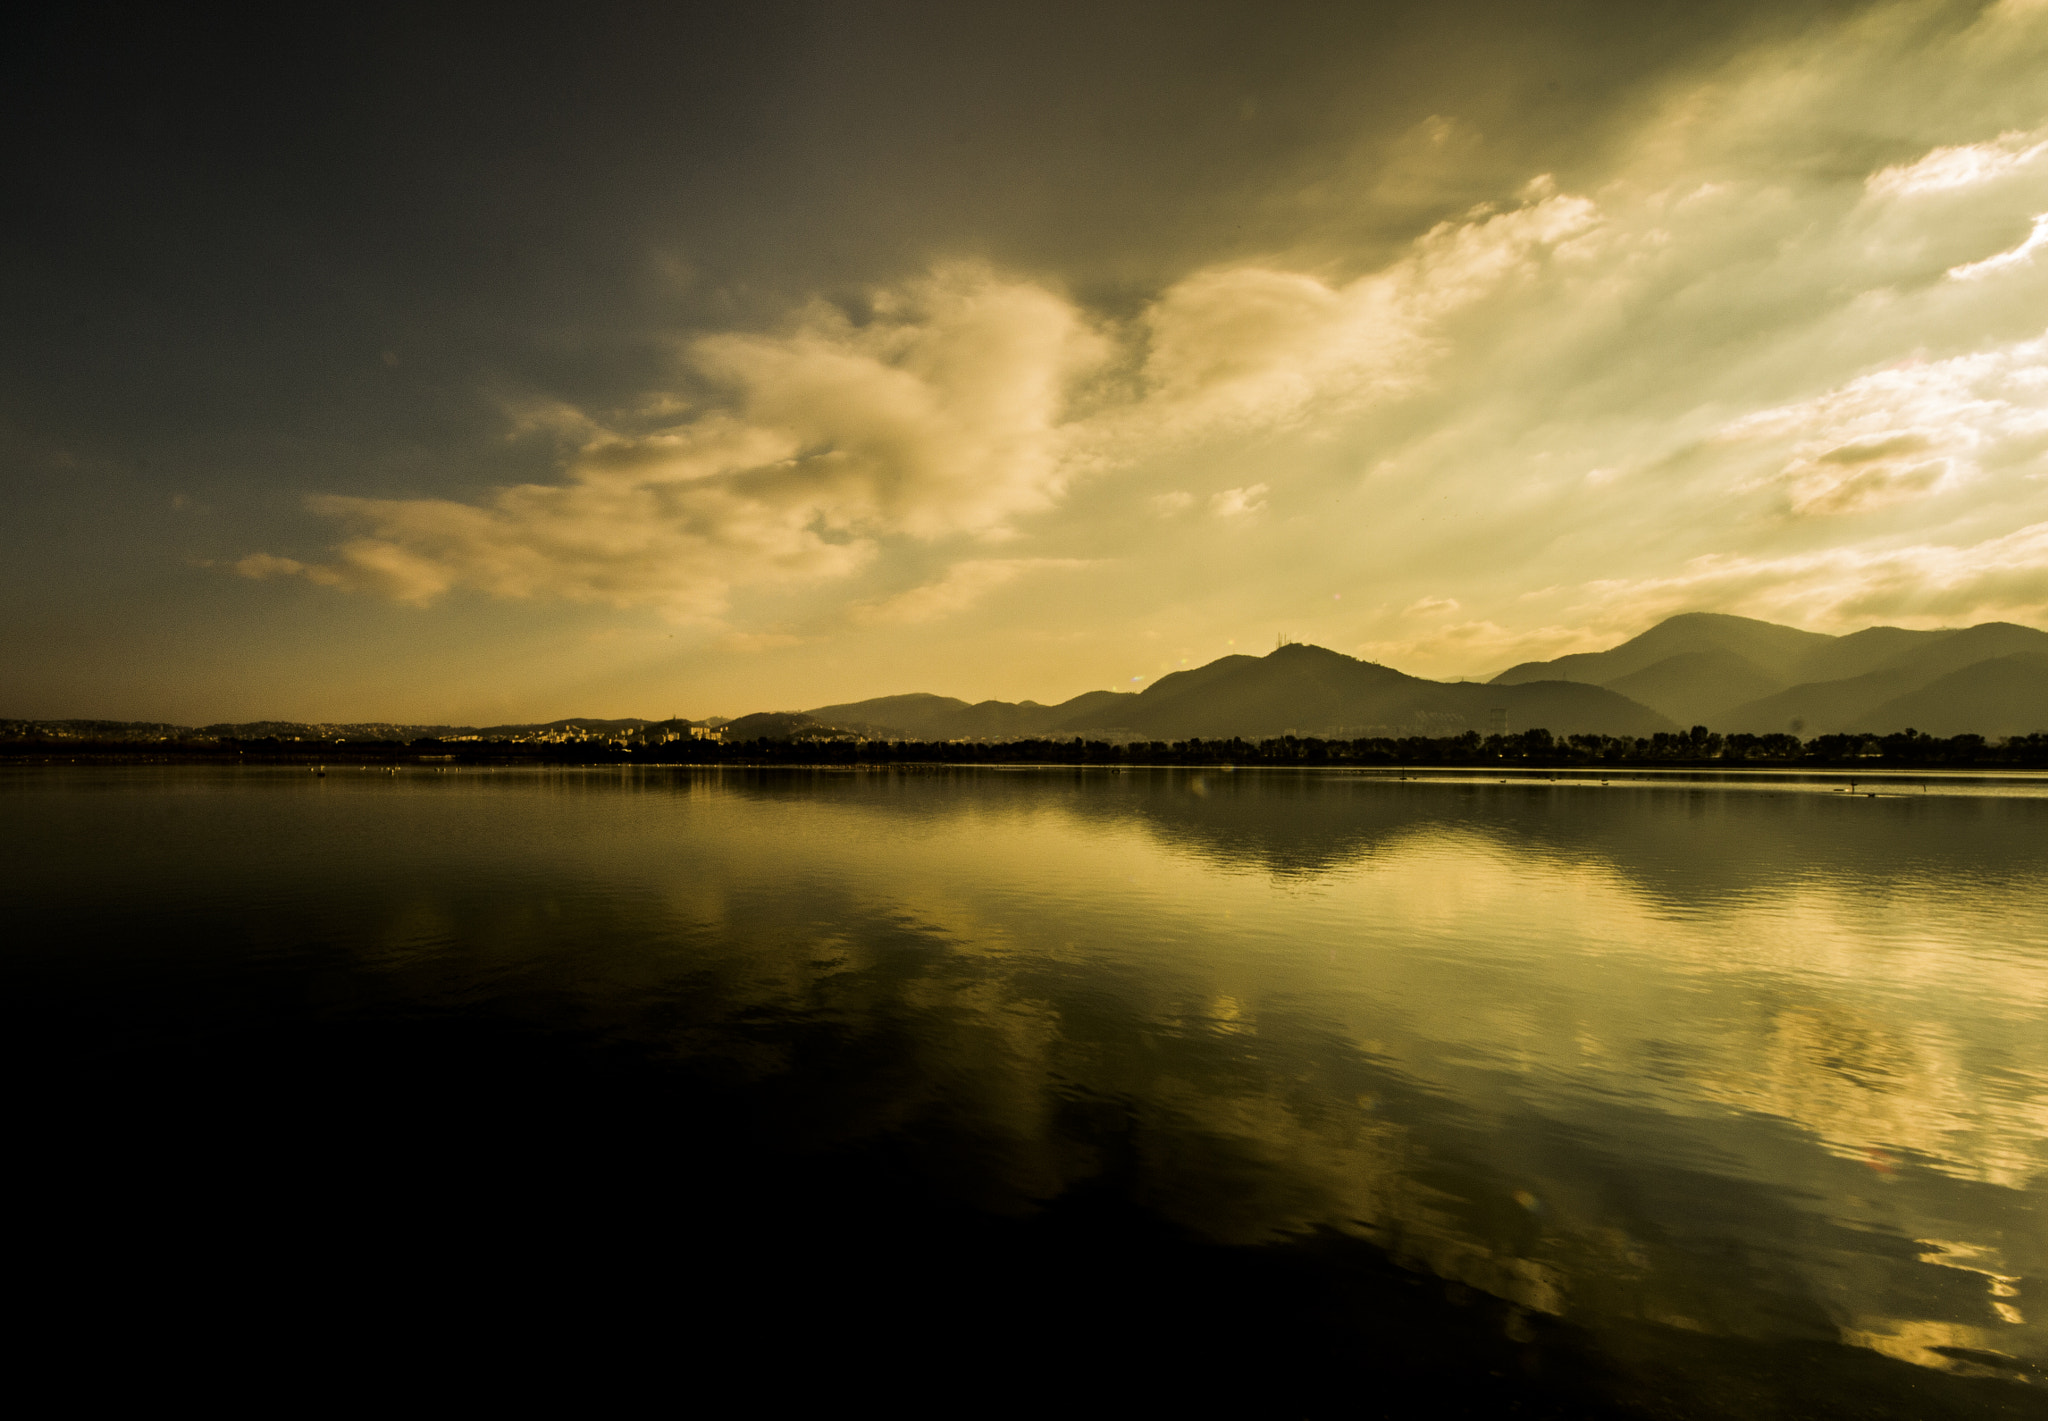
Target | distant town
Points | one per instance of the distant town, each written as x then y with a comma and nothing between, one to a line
617,734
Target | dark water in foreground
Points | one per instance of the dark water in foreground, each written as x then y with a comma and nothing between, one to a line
988,1090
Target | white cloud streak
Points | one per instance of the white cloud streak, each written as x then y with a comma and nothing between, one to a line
1960,165
1903,433
2006,576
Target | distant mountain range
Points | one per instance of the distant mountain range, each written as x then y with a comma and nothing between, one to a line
1731,674
1739,675
1295,690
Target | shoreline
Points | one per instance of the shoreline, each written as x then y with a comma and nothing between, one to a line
1890,780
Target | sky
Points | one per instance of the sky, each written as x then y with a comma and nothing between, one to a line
514,363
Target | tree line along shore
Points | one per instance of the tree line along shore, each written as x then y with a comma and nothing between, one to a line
1535,748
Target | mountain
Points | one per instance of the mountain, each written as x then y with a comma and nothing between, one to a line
1860,653
1733,674
781,725
1820,707
1773,651
1312,691
1952,651
921,716
1916,682
1696,687
2005,695
1739,674
1300,690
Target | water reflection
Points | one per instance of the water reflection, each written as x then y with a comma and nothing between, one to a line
1732,1065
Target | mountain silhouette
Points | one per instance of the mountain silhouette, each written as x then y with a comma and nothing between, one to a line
1822,707
1299,690
921,716
1774,651
1739,674
1696,687
2006,695
1731,674
1310,690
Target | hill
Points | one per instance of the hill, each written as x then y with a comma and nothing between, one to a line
1696,687
1769,649
1300,690
1998,697
1739,674
1732,674
921,716
783,725
1312,691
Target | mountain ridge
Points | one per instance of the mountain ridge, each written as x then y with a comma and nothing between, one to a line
1743,676
1734,675
1295,689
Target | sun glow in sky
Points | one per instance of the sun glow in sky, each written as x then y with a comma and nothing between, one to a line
634,362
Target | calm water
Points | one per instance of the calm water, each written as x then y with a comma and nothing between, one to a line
1318,1094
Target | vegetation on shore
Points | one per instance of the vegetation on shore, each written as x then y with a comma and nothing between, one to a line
1699,747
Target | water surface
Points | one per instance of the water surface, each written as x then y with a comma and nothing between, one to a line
1331,1092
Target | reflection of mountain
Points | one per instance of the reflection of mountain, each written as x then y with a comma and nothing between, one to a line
1296,690
1691,848
1291,826
1736,674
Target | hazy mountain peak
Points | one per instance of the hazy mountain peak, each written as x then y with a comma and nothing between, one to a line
1741,674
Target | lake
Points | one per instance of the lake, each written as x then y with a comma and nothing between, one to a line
1293,1094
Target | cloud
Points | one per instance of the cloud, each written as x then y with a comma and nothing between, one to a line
1237,502
1960,165
1479,647
1803,375
945,414
1992,265
1903,433
1932,583
747,643
936,417
261,567
1259,346
1775,356
964,584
